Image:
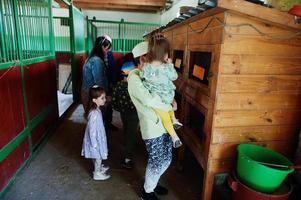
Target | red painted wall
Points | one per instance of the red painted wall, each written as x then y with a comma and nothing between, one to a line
40,84
12,117
39,131
63,57
13,162
40,80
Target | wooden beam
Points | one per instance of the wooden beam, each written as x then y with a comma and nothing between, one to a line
157,3
61,3
117,7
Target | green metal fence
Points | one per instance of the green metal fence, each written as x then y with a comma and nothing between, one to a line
125,35
61,29
26,37
8,36
25,30
91,35
34,28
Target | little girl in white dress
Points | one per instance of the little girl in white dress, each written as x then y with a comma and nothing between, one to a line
95,140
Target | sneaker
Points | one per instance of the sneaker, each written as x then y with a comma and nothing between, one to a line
148,196
100,176
104,168
127,163
177,143
160,190
176,124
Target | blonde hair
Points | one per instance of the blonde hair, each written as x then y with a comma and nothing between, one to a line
158,47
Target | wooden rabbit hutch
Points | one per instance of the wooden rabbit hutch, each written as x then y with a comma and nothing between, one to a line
239,82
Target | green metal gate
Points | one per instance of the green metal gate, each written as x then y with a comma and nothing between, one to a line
25,31
26,38
61,28
77,30
125,35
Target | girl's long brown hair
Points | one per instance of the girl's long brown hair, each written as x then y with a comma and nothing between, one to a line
158,47
94,93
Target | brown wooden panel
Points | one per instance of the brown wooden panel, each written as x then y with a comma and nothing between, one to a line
120,7
267,14
167,34
254,134
248,25
180,39
251,101
196,146
179,46
169,38
256,64
180,30
260,83
195,87
257,45
257,118
203,15
272,40
209,36
221,165
228,150
198,97
211,21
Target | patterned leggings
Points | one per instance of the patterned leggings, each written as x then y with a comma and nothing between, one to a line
159,158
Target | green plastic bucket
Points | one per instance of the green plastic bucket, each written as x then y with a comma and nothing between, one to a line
257,176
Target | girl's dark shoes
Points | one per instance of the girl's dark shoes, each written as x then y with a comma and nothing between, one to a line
148,196
127,163
112,127
160,190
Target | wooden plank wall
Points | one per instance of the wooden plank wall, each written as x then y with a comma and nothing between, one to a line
258,89
253,95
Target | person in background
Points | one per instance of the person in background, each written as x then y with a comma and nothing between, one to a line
158,143
121,102
95,70
95,140
111,69
111,74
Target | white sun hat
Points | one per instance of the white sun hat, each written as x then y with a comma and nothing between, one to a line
140,49
108,38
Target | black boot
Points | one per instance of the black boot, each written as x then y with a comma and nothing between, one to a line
160,190
148,196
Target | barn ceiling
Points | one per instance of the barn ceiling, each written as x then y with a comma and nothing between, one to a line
123,5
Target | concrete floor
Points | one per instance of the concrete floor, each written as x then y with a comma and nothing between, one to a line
59,172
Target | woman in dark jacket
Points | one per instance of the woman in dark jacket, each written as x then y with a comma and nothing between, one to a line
95,69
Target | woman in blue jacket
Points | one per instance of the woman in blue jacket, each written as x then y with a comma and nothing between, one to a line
95,68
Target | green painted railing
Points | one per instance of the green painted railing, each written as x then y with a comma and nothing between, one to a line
26,37
25,26
8,35
125,35
34,28
61,29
